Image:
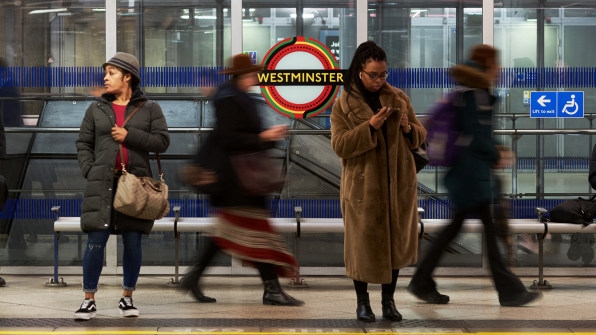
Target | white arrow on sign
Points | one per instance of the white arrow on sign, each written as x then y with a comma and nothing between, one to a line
542,100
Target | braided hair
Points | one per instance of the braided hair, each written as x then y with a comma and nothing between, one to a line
366,52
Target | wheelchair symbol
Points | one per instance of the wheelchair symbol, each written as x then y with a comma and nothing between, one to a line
571,103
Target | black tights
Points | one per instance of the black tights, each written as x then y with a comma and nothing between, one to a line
386,289
266,271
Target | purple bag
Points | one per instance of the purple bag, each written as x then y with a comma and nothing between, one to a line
443,135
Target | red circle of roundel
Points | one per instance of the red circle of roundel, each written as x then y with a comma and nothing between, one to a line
274,97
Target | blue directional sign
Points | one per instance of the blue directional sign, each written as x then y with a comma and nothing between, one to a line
545,104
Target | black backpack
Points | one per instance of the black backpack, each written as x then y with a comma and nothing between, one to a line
580,211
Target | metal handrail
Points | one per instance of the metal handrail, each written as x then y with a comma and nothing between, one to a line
307,131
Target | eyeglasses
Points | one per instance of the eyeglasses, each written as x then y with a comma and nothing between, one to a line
375,76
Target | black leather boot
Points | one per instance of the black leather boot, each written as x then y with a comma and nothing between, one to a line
275,295
199,296
389,310
190,281
363,310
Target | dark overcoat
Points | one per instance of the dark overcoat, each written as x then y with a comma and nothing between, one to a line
2,140
10,109
378,190
470,180
97,150
592,170
237,129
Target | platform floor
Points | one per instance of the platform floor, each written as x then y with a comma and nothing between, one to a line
28,306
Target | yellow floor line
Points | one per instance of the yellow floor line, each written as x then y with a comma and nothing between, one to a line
149,332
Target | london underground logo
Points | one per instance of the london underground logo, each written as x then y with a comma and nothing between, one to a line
301,77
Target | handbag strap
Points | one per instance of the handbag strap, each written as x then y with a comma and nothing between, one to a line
133,113
124,123
159,166
579,203
591,199
581,209
120,145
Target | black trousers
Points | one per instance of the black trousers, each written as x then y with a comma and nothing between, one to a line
506,282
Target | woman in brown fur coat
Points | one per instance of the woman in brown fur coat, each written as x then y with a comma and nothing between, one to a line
373,129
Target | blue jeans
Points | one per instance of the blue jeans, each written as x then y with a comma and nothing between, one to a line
94,258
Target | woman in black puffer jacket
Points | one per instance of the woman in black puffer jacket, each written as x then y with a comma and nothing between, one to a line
100,162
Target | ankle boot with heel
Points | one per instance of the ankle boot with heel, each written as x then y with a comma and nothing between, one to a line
389,311
363,310
275,295
190,281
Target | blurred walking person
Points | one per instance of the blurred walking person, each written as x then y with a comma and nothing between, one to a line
243,229
470,183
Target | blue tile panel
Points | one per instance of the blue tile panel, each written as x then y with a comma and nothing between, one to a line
559,164
435,208
42,76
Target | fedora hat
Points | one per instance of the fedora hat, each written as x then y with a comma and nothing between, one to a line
126,62
241,64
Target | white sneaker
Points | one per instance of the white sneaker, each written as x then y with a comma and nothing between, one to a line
126,307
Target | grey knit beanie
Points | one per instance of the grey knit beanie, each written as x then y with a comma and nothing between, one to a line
127,62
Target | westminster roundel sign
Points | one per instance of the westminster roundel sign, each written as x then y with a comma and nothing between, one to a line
300,77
